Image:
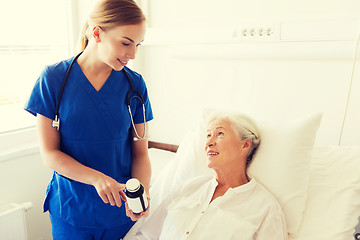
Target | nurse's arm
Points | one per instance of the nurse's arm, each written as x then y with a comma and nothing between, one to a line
141,167
108,189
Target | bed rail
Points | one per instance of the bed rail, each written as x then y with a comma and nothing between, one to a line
163,146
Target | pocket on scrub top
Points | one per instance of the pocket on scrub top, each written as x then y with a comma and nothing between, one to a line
47,197
52,190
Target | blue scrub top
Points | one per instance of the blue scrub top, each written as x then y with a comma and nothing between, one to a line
95,129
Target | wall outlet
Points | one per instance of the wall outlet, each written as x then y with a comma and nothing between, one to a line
259,32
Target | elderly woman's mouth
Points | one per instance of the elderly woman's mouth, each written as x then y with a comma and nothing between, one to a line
211,153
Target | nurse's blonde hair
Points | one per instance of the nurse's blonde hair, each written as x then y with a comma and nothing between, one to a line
245,128
108,14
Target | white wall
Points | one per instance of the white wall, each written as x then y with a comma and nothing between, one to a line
190,13
195,57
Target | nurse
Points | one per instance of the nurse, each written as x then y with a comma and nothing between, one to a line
93,153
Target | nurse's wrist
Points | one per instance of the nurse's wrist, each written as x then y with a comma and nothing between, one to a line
96,177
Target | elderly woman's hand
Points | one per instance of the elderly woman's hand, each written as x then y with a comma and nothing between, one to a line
134,217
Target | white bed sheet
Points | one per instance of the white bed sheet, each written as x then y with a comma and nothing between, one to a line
333,201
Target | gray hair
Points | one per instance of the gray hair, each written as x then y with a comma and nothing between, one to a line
244,126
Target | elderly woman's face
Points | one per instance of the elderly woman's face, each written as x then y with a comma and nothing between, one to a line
224,149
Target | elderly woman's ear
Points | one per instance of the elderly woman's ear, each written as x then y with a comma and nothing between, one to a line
247,143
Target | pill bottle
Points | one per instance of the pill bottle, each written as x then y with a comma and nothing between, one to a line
136,196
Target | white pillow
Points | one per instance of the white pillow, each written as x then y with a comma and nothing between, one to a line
188,162
333,203
281,164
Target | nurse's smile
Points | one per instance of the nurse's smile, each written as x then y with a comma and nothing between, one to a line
122,62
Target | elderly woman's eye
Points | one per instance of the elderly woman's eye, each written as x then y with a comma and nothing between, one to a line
220,133
208,136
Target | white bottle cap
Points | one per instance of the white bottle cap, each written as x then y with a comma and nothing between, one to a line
132,185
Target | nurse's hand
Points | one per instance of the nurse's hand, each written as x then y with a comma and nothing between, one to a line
110,190
134,217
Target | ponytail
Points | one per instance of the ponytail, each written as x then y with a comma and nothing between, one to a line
84,38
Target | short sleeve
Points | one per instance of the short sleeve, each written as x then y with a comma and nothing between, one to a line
42,97
47,87
138,116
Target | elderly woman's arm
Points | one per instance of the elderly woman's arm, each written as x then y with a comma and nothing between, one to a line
273,226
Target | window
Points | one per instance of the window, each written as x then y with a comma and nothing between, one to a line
34,34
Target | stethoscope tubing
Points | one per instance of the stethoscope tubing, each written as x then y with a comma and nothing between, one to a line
56,121
63,85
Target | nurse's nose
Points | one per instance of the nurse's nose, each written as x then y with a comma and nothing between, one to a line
131,52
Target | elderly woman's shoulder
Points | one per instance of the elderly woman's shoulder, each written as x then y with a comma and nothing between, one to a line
263,192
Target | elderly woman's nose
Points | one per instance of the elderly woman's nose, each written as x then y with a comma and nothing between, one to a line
210,141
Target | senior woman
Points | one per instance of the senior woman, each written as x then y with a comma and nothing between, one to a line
227,205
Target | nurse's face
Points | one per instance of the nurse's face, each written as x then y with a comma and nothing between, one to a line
224,149
120,44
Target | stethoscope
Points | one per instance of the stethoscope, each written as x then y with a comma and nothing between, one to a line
56,122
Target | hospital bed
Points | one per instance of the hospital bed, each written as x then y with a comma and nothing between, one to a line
317,186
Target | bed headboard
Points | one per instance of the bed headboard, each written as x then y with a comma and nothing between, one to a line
163,146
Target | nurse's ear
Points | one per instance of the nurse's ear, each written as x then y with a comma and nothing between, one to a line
96,33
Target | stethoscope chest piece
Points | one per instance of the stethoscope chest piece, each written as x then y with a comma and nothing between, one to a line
56,123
